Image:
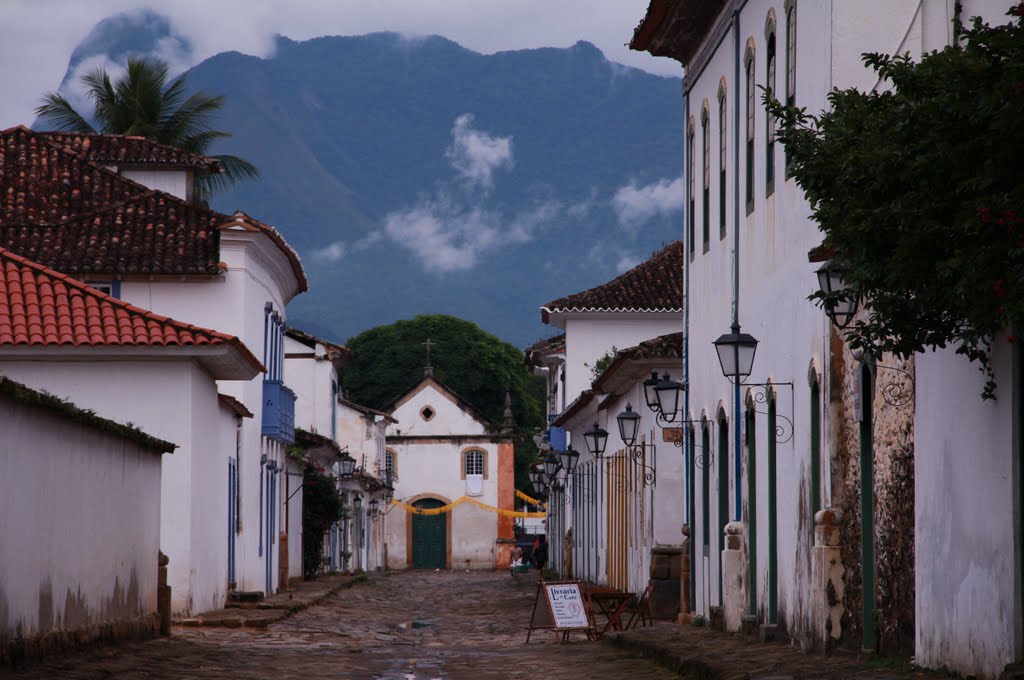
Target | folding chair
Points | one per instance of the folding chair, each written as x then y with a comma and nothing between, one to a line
640,614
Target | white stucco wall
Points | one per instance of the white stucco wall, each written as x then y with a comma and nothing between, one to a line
257,273
311,378
590,336
80,540
176,401
176,181
967,523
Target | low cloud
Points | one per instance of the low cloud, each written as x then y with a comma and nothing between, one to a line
635,205
446,237
475,155
331,253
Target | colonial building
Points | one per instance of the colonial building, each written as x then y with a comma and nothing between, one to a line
447,457
74,204
834,515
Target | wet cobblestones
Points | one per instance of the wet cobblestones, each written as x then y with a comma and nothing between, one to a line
403,626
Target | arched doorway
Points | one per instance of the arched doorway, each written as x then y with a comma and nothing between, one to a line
429,536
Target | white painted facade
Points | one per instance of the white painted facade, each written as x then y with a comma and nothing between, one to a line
81,538
775,235
174,181
257,274
176,401
429,444
591,335
968,544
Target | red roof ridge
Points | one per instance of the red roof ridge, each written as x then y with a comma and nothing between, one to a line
209,162
179,327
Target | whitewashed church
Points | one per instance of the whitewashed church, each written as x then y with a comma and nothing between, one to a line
444,451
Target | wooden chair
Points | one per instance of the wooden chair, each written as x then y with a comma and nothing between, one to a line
640,613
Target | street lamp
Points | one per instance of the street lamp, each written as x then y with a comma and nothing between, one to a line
629,423
649,394
551,465
841,305
346,465
736,353
373,505
568,459
597,439
537,479
667,391
357,502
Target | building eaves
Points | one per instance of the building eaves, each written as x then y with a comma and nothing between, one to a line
577,405
241,219
366,410
234,405
339,355
675,28
666,347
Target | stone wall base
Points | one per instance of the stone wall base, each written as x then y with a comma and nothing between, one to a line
16,650
733,571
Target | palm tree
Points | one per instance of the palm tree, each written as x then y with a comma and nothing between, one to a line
141,103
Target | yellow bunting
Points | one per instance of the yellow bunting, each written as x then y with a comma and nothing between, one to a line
483,506
532,501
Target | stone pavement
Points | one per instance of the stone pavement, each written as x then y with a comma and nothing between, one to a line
424,625
397,626
701,652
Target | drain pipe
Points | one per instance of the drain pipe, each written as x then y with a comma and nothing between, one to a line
687,448
737,448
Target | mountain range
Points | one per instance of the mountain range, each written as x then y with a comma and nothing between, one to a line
416,176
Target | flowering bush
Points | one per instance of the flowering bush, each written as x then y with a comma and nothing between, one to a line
918,187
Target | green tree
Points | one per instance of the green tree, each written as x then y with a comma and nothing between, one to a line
918,188
142,103
388,360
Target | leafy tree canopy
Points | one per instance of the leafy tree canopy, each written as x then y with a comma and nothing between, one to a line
917,189
143,103
388,360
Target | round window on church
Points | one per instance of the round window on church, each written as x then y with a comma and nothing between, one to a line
427,413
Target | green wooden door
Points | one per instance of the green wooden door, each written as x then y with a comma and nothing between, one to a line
428,536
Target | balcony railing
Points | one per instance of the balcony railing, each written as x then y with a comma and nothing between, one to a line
278,412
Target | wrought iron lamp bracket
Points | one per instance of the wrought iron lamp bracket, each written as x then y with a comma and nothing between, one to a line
759,395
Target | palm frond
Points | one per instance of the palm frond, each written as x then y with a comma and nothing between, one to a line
58,112
234,170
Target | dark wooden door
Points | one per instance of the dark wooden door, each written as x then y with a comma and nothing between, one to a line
429,536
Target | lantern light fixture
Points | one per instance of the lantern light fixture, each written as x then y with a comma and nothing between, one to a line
843,303
551,465
597,439
667,391
629,424
373,505
568,459
357,502
736,353
650,396
346,465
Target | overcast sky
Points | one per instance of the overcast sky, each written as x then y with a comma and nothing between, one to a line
38,36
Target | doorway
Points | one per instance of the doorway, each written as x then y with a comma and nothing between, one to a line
429,536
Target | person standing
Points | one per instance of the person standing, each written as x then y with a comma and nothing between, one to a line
540,553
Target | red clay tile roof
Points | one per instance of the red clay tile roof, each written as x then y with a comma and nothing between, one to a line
40,183
121,150
654,285
42,307
154,233
233,404
668,346
675,28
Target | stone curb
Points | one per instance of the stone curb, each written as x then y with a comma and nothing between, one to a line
268,612
698,667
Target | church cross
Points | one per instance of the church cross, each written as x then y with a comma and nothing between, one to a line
428,369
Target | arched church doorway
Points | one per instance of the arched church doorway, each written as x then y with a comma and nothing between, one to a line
429,536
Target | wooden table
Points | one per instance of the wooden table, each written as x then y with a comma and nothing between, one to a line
610,603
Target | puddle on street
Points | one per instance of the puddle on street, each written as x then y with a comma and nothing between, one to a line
413,625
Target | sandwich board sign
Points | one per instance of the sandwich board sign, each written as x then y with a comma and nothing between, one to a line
566,609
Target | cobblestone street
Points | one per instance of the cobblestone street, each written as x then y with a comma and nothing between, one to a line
404,625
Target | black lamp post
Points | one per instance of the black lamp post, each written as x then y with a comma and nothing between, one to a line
842,305
568,459
629,423
736,353
597,439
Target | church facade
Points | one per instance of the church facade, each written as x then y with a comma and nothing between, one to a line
447,459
